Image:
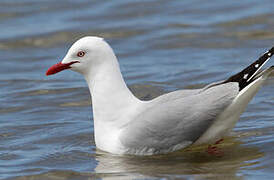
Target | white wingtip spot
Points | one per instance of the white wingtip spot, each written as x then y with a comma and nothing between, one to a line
256,65
245,76
269,54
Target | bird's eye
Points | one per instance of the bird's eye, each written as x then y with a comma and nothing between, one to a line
81,53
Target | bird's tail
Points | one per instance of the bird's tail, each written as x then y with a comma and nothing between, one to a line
249,74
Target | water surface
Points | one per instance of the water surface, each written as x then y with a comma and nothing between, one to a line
46,124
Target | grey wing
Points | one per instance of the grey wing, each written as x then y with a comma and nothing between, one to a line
183,93
175,124
176,95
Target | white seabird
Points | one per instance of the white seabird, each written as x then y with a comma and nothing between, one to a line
123,124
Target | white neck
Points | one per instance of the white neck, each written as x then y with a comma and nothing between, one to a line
112,104
110,95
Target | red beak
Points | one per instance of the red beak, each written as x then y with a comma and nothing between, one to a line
59,67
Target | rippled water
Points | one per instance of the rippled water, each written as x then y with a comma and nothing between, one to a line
46,126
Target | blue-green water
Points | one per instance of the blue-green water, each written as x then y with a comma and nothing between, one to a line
46,126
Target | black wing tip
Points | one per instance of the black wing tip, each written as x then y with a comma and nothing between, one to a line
245,76
272,49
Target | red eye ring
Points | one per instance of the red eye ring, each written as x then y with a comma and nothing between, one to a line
81,53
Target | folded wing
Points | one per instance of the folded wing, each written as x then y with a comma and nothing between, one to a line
174,124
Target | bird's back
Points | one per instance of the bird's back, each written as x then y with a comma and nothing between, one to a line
176,120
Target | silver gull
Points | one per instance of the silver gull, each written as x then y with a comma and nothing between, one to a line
123,124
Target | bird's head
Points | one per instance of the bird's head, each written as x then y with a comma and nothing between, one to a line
85,54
